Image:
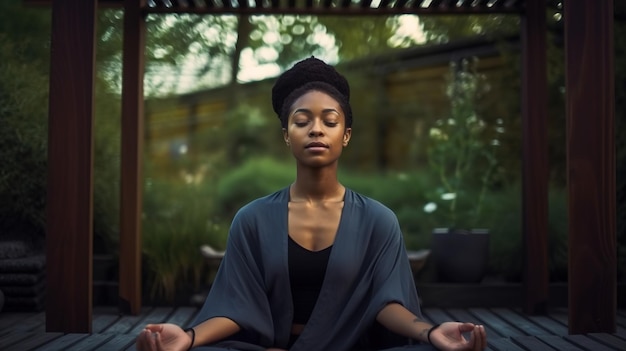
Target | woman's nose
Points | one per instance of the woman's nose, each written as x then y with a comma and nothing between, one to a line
315,133
316,128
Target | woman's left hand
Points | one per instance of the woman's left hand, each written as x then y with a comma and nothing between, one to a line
449,337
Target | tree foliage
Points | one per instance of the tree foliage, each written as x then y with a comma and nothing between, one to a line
23,127
441,29
190,52
22,143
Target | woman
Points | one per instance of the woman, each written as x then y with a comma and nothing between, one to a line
314,266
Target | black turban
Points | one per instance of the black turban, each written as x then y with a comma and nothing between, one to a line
306,75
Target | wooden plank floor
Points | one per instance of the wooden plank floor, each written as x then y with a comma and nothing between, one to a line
507,329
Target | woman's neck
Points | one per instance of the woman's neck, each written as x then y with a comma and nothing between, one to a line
316,186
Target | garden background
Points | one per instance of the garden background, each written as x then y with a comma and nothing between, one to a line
213,143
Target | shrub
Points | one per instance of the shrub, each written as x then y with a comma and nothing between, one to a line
23,144
462,149
507,249
404,193
177,220
255,178
23,148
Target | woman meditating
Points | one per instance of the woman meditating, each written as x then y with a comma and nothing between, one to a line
314,266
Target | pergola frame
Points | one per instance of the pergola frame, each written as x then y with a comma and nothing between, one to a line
590,149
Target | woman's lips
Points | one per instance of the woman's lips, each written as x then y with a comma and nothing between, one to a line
316,146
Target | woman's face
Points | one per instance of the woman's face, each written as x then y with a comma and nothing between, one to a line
316,129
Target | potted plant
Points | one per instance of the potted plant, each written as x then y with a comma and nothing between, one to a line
461,154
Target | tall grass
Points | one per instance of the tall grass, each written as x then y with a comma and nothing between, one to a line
178,219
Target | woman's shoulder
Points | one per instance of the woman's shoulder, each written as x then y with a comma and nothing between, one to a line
376,218
257,215
264,204
370,206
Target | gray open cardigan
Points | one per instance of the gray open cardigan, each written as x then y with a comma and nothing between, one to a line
367,269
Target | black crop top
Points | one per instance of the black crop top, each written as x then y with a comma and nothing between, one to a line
306,274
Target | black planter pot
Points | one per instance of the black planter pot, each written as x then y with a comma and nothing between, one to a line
460,256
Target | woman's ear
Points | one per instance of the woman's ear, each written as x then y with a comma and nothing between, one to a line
286,136
346,136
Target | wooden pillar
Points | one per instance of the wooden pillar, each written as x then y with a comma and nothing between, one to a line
590,113
535,160
69,213
132,157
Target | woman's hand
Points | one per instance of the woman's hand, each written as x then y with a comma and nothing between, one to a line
449,337
163,337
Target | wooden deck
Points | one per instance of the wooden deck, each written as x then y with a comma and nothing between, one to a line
507,329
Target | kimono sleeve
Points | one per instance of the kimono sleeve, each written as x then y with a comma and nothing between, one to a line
393,278
238,291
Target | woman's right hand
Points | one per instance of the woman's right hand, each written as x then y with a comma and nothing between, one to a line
163,337
449,336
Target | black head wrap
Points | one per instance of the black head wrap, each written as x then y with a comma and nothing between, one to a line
306,75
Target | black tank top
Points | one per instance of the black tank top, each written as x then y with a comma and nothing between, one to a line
306,274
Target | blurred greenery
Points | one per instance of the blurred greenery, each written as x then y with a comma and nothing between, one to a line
24,53
178,218
462,151
191,199
23,137
252,179
506,257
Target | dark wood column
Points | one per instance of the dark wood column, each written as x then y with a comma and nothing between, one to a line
535,157
132,157
69,214
591,165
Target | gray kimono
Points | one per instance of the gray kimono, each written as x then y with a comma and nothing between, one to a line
367,269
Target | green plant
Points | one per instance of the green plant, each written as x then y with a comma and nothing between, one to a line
24,139
506,253
106,168
255,178
506,248
176,222
23,142
402,192
462,151
183,213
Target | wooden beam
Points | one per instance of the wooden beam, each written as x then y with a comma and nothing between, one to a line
322,8
132,158
590,114
69,213
101,3
336,11
534,158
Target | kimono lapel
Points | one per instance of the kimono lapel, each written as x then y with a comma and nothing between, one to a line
327,302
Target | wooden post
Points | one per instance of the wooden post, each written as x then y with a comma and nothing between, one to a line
69,213
535,159
591,166
132,158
